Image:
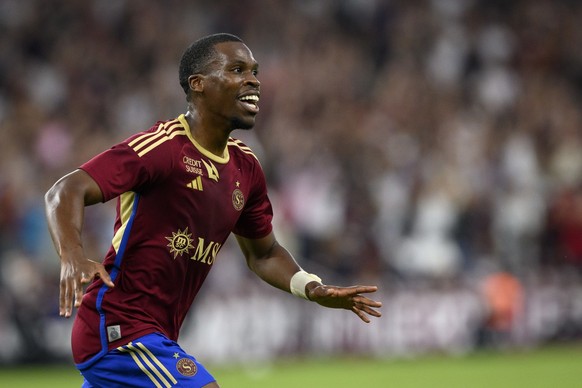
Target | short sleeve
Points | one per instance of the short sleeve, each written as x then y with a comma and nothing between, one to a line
256,218
120,169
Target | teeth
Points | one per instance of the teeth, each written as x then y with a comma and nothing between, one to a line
252,98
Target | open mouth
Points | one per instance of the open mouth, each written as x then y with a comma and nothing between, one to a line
250,102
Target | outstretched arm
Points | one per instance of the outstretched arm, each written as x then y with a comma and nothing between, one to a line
65,204
276,266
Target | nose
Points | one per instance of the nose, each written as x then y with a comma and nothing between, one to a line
252,79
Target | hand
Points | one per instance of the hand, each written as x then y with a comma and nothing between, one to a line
75,274
348,298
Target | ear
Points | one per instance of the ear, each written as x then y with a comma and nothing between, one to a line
196,83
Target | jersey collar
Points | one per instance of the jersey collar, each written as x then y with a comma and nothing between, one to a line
218,159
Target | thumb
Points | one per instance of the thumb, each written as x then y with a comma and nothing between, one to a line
106,278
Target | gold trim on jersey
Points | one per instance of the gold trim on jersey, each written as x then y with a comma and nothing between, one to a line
179,126
237,143
211,170
166,131
148,368
218,159
125,209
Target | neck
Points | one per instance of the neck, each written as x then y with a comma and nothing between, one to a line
211,137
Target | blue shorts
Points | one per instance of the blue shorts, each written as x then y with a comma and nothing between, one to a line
149,361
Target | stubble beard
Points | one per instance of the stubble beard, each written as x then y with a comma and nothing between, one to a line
245,125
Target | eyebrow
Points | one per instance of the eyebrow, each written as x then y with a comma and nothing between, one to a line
253,64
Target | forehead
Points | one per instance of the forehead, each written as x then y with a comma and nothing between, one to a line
228,52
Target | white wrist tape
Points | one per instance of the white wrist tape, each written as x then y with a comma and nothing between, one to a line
300,280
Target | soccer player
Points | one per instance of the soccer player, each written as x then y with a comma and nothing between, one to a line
182,187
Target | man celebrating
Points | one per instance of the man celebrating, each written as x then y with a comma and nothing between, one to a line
182,187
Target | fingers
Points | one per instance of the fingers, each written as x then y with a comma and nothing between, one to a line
370,311
66,294
100,272
353,291
364,312
359,299
71,294
87,278
362,289
363,309
72,283
350,298
360,314
62,299
78,293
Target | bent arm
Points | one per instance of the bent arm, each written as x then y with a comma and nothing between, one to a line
275,265
65,205
269,260
65,208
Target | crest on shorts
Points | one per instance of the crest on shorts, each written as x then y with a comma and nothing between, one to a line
186,367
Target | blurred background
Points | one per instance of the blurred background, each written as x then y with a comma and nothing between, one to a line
433,148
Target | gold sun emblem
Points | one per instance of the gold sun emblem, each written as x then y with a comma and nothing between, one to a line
180,242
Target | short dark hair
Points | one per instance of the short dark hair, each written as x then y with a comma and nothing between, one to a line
198,56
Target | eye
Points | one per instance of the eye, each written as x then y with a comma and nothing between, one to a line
237,69
255,72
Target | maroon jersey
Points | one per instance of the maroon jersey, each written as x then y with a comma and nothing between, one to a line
177,204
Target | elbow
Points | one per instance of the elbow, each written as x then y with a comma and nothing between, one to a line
258,259
50,193
53,198
251,263
254,262
76,186
59,192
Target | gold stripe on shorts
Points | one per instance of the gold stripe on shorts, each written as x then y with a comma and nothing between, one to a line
148,368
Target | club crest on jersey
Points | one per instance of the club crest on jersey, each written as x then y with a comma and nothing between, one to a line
238,199
180,242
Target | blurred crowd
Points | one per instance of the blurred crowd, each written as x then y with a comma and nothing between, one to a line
403,141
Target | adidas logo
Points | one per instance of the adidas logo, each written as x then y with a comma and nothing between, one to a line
196,184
